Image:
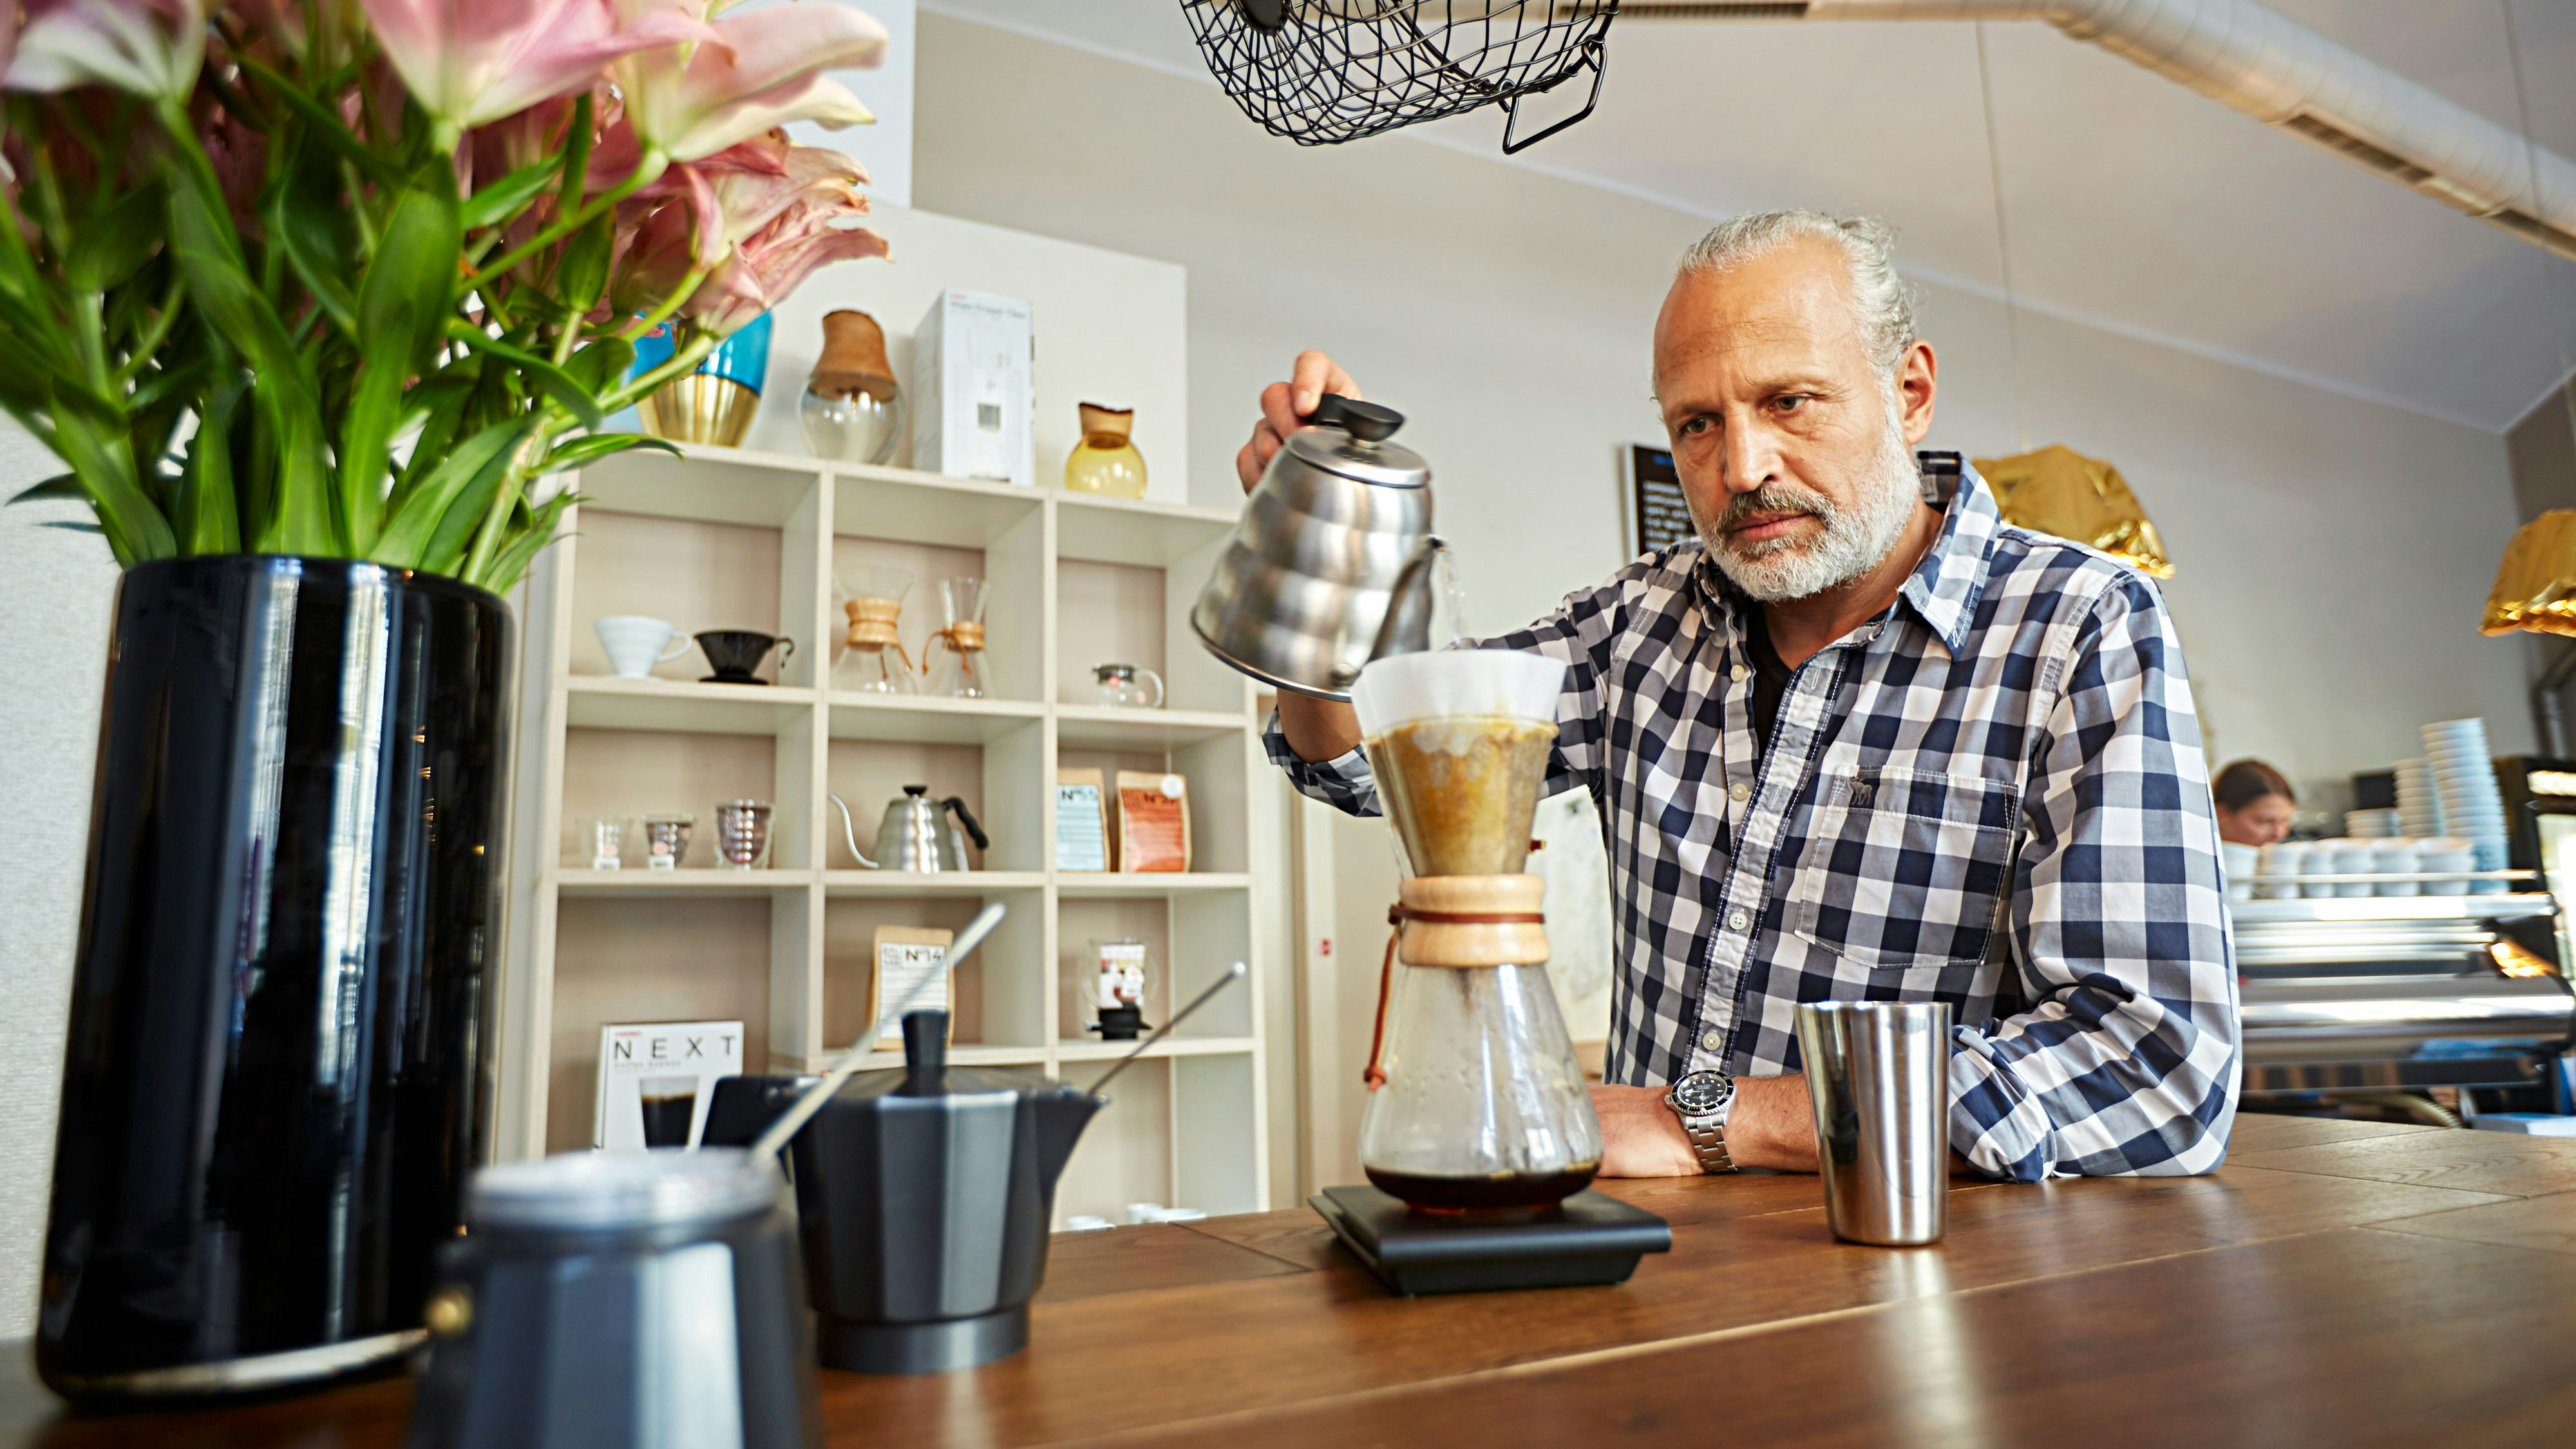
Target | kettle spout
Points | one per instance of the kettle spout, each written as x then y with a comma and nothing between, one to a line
1062,1114
1414,604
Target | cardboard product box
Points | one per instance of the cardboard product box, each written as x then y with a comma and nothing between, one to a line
900,957
1153,822
974,389
1082,839
656,1079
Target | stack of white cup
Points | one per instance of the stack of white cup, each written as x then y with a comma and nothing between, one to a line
2472,805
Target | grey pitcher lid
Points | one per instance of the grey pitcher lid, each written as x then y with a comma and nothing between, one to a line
599,1191
1350,438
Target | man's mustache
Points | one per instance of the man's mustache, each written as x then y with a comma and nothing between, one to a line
1774,498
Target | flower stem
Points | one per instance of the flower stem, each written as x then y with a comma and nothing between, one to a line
682,363
648,169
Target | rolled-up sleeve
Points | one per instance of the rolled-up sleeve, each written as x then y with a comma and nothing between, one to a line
2127,1059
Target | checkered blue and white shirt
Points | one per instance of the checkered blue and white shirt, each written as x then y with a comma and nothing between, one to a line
1991,795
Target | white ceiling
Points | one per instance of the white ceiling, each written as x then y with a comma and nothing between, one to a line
2134,204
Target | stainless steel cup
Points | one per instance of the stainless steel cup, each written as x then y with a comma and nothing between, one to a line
742,833
1878,1076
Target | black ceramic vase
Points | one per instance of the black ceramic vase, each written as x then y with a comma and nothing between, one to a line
275,1082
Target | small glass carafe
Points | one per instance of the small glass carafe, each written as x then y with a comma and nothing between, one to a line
1118,686
872,658
1105,462
954,657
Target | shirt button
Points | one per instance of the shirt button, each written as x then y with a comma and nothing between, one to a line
1711,1040
1739,792
1739,674
1738,920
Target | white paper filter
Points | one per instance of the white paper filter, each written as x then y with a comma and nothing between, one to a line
1448,683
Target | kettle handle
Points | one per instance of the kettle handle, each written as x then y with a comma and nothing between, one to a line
1368,422
850,832
974,830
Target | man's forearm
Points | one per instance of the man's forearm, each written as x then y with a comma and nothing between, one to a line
1317,729
1771,1124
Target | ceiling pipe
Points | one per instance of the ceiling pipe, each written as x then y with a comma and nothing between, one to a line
2253,60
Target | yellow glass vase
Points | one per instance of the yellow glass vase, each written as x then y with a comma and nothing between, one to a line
1105,462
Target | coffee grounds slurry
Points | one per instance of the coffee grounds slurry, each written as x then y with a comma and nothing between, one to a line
1461,789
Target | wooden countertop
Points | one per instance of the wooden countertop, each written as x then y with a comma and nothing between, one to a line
2337,1282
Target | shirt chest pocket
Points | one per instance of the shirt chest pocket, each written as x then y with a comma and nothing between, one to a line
1905,868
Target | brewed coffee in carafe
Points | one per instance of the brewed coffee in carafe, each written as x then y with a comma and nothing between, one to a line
1475,1098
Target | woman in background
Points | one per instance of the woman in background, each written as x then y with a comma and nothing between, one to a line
2254,803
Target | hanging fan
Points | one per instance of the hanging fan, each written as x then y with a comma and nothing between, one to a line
1320,72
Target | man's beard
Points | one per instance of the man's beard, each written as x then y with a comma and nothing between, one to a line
1855,538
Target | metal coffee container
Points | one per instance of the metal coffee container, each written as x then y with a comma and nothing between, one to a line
1878,1077
1298,597
622,1301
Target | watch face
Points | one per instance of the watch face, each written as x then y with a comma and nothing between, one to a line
1703,1091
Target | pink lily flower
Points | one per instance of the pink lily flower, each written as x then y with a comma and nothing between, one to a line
760,70
472,62
147,48
772,262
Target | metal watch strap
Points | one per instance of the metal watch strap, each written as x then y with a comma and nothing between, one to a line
1710,1143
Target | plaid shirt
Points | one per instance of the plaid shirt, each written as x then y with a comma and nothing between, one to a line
1992,795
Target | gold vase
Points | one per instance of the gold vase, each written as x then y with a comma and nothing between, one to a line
700,408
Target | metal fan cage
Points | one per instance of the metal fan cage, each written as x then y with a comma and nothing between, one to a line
1321,72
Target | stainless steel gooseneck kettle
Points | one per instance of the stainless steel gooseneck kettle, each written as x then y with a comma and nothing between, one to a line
1330,565
916,834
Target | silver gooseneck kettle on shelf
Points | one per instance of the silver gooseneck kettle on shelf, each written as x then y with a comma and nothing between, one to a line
1333,563
916,834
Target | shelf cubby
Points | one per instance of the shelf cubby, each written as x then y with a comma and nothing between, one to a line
730,538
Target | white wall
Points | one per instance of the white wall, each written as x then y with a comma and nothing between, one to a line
55,588
2333,553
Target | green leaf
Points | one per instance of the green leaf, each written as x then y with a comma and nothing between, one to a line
553,381
403,306
118,241
209,257
209,515
514,557
504,199
92,439
580,451
412,535
601,365
325,123
314,234
582,275
60,486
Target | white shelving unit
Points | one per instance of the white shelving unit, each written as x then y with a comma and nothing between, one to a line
726,538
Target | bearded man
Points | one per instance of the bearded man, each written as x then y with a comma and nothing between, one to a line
1860,740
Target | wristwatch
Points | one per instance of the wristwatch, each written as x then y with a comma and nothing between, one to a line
1702,1100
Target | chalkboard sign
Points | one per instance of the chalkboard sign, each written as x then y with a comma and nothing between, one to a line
1658,516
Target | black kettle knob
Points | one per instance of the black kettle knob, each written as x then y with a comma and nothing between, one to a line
916,791
925,1043
1369,422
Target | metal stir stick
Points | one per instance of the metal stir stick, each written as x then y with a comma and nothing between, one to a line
811,1102
1232,974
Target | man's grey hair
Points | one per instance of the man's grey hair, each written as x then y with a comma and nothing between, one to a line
1886,310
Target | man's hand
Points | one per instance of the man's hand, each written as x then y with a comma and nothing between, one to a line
1640,1136
1770,1125
1284,405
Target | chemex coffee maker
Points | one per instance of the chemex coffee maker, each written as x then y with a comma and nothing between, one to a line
1478,1137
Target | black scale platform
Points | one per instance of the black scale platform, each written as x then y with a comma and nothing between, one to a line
1590,1238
